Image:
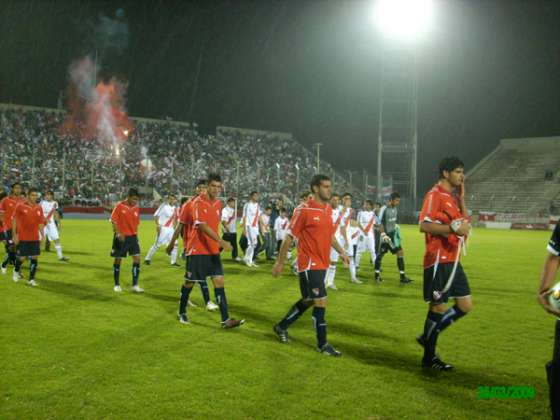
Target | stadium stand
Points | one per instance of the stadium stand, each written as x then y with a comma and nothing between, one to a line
159,155
519,176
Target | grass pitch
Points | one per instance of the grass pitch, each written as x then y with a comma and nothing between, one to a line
72,348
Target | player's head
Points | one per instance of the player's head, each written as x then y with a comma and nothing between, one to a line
268,210
133,196
321,187
305,196
213,186
254,196
231,202
200,186
394,199
452,170
282,212
368,205
347,199
184,199
49,195
377,206
32,195
171,199
16,188
2,194
335,200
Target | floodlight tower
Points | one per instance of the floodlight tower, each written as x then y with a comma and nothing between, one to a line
403,24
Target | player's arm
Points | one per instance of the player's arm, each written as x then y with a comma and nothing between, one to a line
282,254
57,219
176,234
549,271
207,230
460,228
462,203
340,251
15,237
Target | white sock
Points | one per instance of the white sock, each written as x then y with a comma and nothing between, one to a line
249,254
331,274
151,252
58,248
352,268
174,255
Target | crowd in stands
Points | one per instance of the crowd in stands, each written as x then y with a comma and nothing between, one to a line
158,154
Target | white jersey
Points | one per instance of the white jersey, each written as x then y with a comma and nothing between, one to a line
167,215
354,234
345,218
49,208
281,225
265,223
337,218
251,213
228,216
367,220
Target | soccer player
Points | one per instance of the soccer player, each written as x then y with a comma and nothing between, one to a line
125,219
50,210
281,228
165,218
367,221
390,238
312,225
266,233
184,228
549,271
204,251
250,223
443,220
229,227
28,220
7,208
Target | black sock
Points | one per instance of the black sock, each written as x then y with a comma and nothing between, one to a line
320,325
33,269
400,264
294,313
220,294
116,273
431,332
378,263
185,292
7,260
17,265
135,273
205,291
452,315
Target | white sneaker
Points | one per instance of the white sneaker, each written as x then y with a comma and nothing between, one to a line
355,280
191,304
117,289
239,259
137,289
32,283
254,265
15,277
332,286
4,269
248,263
211,306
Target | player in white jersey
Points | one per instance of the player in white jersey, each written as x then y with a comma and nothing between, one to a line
367,221
229,226
250,223
341,217
166,217
266,233
50,208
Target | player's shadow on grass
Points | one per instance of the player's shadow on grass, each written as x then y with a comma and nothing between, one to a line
77,253
76,291
355,330
164,298
377,292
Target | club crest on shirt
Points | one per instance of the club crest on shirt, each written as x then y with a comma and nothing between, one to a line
437,295
315,292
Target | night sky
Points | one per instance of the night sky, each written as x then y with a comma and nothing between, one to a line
489,70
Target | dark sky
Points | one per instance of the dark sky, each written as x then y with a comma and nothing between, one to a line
489,70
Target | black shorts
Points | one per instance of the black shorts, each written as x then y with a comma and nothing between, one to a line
129,246
199,267
28,249
434,285
312,284
385,247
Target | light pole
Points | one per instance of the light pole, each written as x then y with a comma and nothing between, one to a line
318,152
297,182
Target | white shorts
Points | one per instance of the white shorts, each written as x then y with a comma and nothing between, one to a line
252,235
51,232
165,235
367,244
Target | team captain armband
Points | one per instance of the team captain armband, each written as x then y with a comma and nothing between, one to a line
554,242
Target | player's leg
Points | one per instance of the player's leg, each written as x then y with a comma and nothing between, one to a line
174,253
220,293
553,374
234,250
378,259
461,292
19,260
52,235
360,249
331,271
10,250
186,289
317,290
211,306
153,249
351,264
296,311
136,273
251,244
116,274
400,265
33,264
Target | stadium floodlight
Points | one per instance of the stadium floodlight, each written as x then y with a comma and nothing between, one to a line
403,20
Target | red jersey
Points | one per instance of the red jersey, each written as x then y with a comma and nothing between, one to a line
126,217
28,218
186,219
440,207
7,207
313,228
209,213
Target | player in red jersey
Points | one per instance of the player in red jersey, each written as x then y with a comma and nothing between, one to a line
184,227
203,251
312,226
28,220
125,219
444,221
7,207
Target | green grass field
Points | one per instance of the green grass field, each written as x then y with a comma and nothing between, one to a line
72,348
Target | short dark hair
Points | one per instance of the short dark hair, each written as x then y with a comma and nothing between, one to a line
449,164
184,199
370,202
214,178
335,195
133,192
230,199
282,210
252,193
317,179
304,195
267,208
377,203
171,196
49,192
395,195
14,185
346,194
32,190
199,182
